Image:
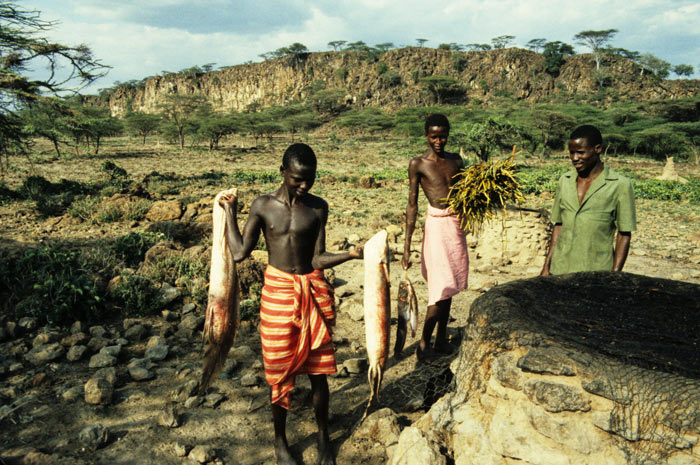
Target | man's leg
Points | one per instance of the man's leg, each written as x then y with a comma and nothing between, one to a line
319,389
279,417
441,345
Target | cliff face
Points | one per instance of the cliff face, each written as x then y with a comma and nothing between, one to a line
396,83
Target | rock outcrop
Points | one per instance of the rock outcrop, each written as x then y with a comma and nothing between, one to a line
482,75
586,368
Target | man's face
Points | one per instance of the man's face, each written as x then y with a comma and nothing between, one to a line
583,156
437,138
298,178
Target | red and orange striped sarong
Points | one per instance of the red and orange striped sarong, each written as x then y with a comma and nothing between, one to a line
296,314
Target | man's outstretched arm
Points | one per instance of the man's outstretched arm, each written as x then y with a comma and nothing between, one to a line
411,212
323,259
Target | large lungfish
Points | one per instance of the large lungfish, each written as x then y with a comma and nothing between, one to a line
407,309
222,315
377,306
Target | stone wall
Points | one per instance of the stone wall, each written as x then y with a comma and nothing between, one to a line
590,368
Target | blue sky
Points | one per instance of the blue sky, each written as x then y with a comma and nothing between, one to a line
144,38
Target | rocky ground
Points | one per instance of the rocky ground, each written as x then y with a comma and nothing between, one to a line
123,391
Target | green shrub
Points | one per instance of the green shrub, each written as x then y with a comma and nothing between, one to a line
538,180
667,190
50,283
132,247
137,295
84,209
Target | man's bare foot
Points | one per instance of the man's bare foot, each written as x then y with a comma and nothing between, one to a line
282,453
444,348
325,450
429,357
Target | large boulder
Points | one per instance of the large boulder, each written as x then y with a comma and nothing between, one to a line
586,368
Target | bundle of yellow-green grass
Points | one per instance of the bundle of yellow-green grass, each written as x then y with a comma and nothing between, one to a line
482,189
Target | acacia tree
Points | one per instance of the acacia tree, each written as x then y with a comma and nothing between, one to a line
655,66
178,111
536,44
683,70
141,124
555,54
67,68
595,40
501,42
336,44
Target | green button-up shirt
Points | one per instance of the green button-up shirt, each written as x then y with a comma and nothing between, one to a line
587,233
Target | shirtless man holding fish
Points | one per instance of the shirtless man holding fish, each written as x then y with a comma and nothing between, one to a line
444,261
296,310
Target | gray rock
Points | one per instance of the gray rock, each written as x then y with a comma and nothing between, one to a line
94,437
191,322
168,315
135,333
129,322
169,418
96,344
415,449
28,323
155,341
168,294
98,391
98,331
179,449
70,395
189,307
356,312
77,327
212,400
45,353
74,339
108,373
249,380
556,397
121,342
76,353
185,391
506,372
114,351
355,365
140,369
341,373
194,402
547,360
356,346
157,353
242,354
202,454
381,426
102,360
45,338
166,330
15,367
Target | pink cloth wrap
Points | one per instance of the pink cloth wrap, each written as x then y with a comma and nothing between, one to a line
444,261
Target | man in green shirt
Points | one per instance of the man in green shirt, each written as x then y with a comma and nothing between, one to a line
591,203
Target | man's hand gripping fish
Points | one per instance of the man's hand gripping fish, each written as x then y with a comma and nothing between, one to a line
407,307
222,315
377,306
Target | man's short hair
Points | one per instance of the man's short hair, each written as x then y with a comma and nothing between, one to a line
436,119
300,153
588,132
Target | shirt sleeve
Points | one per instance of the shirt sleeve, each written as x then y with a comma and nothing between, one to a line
556,208
626,219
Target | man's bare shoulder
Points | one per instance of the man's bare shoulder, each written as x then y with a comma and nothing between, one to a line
315,202
263,202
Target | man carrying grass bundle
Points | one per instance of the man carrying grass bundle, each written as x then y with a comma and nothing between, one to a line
592,202
444,261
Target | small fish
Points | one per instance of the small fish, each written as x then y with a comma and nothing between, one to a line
407,306
377,310
222,314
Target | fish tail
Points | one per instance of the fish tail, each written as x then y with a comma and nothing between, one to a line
215,357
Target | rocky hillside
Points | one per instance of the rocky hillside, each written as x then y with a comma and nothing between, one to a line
394,80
